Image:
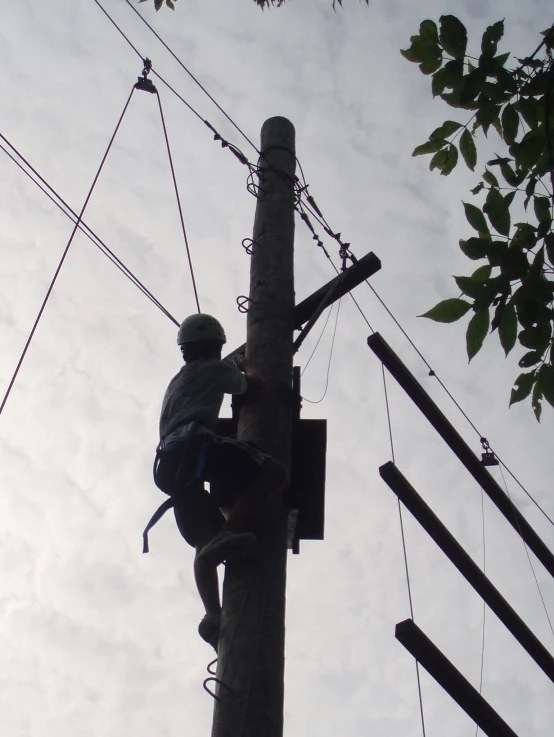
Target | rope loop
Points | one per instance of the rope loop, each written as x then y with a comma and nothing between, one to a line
248,245
242,302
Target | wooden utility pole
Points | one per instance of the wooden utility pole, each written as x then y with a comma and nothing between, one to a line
250,671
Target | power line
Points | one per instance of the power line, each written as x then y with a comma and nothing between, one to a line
65,252
316,213
63,206
191,75
217,137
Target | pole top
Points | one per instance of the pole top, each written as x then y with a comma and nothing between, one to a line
278,131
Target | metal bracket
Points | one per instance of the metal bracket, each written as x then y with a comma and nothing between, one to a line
248,245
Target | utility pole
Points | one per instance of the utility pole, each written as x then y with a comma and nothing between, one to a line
251,660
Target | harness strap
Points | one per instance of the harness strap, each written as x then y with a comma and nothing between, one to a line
156,517
180,475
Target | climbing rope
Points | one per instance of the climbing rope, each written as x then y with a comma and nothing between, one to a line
64,255
62,205
193,278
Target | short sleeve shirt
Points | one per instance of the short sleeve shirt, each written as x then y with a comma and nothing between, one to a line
196,393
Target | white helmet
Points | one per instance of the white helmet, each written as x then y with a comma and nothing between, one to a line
200,327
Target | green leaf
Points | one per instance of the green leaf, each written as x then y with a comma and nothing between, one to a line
525,236
407,54
487,114
497,211
546,382
428,30
445,160
489,178
472,85
510,123
450,76
439,159
507,328
445,130
542,209
530,111
501,59
531,359
449,310
474,248
536,401
549,242
476,218
467,147
473,285
477,332
430,147
536,86
451,160
536,337
509,174
491,37
522,387
453,36
527,152
429,67
425,51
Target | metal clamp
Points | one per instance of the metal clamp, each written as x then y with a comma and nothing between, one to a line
488,458
143,83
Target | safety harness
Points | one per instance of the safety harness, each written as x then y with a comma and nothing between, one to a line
193,450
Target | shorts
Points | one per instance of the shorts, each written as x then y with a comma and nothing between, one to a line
231,466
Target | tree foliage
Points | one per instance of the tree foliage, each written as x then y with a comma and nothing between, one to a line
513,293
260,3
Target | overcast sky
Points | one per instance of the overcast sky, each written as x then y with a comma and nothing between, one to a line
99,640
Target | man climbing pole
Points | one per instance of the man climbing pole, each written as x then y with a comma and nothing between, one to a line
190,453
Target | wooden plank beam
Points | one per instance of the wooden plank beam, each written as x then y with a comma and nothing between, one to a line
341,285
450,678
469,570
460,448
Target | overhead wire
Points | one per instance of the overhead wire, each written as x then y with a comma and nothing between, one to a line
191,75
319,217
63,206
315,211
318,341
63,257
318,401
529,558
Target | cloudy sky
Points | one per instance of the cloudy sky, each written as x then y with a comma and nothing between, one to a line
96,639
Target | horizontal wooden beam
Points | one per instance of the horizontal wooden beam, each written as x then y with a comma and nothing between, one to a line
342,284
463,562
461,449
450,678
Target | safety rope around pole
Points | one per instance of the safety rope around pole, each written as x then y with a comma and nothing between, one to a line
64,254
